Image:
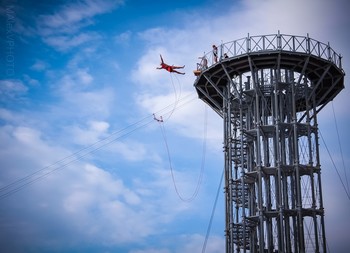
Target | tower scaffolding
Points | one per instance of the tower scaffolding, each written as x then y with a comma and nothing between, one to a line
269,92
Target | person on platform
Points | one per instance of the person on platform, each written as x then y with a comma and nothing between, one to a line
215,53
203,64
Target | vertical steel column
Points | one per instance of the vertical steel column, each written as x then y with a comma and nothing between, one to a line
318,173
279,160
300,231
228,169
258,162
242,175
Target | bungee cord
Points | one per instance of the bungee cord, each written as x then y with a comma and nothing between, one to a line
335,167
201,173
345,186
177,96
204,247
340,149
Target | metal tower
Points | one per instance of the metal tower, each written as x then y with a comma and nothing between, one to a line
268,90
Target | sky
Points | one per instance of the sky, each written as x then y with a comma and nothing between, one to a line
85,167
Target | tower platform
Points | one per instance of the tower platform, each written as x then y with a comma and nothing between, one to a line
316,61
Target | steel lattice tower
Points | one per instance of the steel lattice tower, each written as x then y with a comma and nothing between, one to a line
269,91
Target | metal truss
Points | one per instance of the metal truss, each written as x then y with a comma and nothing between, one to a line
269,98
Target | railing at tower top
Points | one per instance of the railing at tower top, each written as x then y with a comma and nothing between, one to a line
272,42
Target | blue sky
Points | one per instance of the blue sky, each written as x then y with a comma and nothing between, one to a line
78,87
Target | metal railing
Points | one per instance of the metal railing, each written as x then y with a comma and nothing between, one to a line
272,42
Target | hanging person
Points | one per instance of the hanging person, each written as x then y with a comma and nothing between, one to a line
170,68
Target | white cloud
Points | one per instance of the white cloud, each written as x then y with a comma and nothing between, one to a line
77,89
94,103
94,203
146,73
67,42
9,116
187,243
130,150
26,135
11,88
76,14
84,77
150,251
62,29
39,65
20,147
75,79
99,126
123,38
92,133
194,243
31,81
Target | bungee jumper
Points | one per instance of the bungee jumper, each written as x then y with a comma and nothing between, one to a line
170,68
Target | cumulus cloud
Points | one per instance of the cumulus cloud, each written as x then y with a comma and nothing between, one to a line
93,103
75,79
12,88
86,196
130,150
9,116
39,65
31,81
151,251
97,192
92,133
66,42
194,242
75,14
123,38
76,89
62,29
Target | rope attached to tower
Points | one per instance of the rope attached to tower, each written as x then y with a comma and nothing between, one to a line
172,171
